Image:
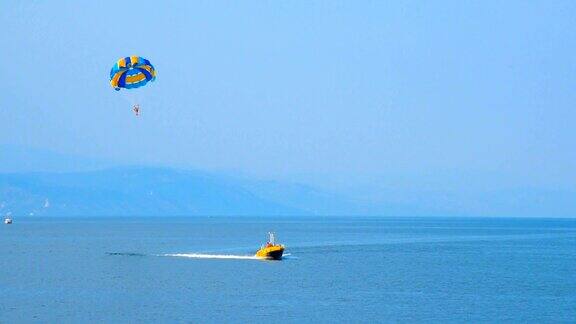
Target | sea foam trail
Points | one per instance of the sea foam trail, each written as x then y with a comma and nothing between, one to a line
212,256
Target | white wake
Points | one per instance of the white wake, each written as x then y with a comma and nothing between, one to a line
212,256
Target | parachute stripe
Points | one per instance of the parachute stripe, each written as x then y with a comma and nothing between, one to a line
122,79
133,72
114,81
135,78
148,68
145,73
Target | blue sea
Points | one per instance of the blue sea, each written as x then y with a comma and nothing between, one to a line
346,270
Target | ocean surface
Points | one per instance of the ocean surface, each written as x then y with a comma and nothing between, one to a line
351,270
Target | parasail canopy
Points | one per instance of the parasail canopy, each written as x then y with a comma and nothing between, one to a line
131,72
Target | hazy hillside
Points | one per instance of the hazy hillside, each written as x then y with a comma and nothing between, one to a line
32,182
154,192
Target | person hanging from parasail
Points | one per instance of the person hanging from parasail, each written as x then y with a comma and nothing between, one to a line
136,110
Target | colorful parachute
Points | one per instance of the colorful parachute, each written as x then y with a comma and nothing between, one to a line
131,72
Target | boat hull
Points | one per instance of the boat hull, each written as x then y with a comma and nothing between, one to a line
271,253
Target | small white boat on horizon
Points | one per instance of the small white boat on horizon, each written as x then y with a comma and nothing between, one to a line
8,218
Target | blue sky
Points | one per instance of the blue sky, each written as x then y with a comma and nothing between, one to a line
355,93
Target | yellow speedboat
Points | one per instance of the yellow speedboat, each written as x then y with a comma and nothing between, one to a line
271,250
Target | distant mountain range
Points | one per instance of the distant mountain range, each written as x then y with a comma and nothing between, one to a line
43,183
132,191
140,191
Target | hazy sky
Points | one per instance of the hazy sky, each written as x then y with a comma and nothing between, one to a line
316,90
